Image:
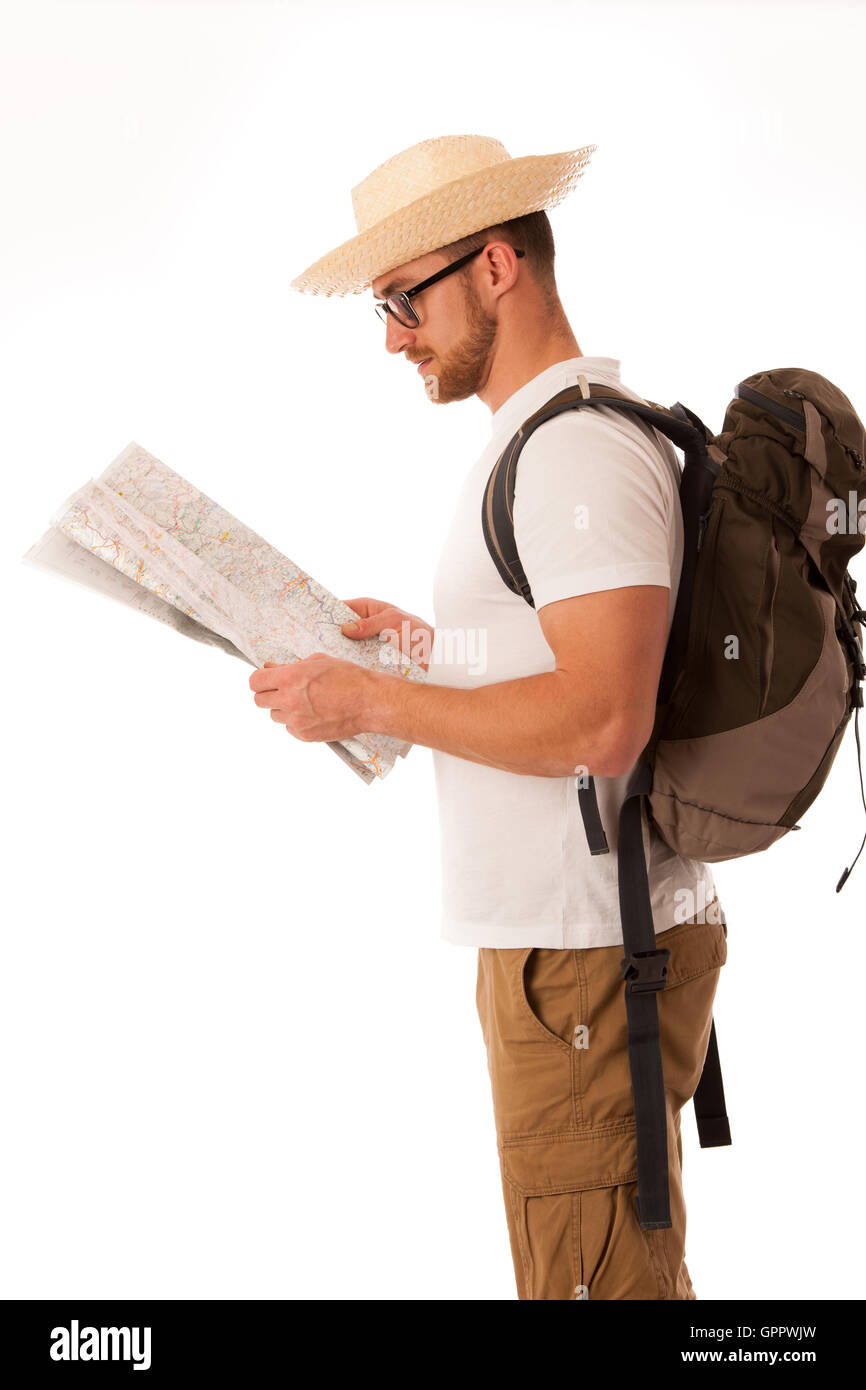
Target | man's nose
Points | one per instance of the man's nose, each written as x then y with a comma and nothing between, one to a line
397,335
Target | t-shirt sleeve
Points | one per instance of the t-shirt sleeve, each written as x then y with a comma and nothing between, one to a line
593,509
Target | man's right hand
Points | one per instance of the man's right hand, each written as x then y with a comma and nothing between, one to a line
414,636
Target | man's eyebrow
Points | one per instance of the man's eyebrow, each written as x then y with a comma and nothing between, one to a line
394,287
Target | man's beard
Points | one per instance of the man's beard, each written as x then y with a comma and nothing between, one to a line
466,368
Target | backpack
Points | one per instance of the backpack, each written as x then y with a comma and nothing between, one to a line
762,670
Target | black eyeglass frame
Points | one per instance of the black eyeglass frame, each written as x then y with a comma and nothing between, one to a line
403,297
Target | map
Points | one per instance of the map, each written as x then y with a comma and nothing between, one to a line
144,535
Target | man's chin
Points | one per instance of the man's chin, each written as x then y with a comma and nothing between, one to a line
438,390
433,387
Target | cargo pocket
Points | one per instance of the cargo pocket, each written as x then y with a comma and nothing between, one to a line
580,1238
618,1259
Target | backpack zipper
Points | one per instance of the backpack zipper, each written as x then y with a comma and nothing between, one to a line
766,633
747,393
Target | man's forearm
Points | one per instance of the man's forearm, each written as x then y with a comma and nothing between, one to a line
526,726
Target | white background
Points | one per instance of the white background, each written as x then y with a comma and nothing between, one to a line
237,1059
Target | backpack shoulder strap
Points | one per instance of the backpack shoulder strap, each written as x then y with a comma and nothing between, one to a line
497,507
703,462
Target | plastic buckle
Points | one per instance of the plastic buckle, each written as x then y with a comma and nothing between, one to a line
645,972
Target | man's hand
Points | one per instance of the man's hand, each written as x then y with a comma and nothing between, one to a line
415,637
320,699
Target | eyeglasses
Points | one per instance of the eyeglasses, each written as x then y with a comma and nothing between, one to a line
399,304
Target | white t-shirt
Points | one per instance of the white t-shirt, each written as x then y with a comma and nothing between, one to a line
516,867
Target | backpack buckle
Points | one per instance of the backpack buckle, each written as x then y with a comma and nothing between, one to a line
645,972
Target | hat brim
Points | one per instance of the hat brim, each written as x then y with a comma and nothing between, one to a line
465,205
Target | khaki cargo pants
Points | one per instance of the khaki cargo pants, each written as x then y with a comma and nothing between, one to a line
554,1025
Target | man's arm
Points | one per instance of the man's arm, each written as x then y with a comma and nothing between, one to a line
596,709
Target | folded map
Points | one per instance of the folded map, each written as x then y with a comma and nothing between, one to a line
142,534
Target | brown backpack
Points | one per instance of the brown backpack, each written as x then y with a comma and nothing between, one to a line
762,670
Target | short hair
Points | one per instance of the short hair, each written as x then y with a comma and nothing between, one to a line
531,233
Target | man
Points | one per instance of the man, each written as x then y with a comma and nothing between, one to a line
455,242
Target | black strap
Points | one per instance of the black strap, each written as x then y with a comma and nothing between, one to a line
588,802
710,1112
644,967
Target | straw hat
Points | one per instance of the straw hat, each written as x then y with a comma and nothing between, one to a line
434,193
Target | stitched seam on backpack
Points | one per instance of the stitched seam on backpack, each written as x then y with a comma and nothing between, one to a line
714,811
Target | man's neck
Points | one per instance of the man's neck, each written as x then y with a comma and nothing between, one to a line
512,370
